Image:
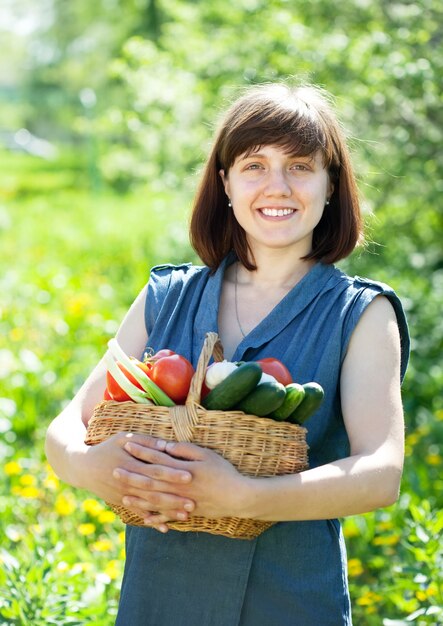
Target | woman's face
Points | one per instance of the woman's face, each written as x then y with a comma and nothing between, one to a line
278,199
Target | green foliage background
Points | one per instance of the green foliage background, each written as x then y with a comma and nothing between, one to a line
129,92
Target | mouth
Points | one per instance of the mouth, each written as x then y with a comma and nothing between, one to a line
276,212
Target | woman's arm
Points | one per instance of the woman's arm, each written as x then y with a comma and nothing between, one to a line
93,467
372,409
369,478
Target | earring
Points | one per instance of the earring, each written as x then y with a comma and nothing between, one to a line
229,204
327,202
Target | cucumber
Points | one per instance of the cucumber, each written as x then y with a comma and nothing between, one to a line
294,396
313,398
264,399
233,388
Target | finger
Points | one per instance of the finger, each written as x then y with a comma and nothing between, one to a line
163,528
145,440
185,450
150,455
153,478
155,501
155,519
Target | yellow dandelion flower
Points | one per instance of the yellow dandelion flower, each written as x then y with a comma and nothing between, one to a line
102,545
86,529
121,536
30,493
421,595
368,599
106,517
93,507
434,459
112,569
28,480
355,567
65,504
387,540
12,468
122,554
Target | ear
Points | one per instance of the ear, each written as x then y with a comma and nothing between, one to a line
225,181
330,191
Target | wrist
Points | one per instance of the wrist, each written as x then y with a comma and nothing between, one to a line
248,498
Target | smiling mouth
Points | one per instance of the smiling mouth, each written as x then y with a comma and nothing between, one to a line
277,212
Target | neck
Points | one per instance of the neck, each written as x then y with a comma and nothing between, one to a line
276,268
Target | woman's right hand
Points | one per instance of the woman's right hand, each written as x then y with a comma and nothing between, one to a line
103,464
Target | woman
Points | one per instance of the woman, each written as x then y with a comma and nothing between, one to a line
276,208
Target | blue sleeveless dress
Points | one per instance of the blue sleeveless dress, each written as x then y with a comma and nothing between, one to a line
295,573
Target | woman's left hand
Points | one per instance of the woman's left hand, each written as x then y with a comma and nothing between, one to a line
216,487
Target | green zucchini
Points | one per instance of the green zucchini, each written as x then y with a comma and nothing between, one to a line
313,398
294,396
233,388
264,399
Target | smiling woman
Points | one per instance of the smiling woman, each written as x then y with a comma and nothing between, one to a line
276,207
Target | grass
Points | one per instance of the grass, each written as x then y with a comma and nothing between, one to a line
73,262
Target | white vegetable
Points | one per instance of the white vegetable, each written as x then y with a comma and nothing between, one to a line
217,372
136,394
267,378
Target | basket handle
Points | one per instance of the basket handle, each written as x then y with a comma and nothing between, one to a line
211,346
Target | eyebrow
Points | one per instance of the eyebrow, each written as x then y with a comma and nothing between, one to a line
260,155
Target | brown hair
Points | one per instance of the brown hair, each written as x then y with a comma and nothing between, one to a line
302,121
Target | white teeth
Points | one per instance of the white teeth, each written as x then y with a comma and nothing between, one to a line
277,212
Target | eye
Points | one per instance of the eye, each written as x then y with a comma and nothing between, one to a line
253,166
300,167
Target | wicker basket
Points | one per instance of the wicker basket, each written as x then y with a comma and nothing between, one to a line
256,446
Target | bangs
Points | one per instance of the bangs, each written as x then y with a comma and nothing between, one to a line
292,125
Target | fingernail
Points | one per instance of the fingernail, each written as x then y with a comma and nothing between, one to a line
126,501
147,522
170,446
116,473
185,478
128,447
160,444
181,516
188,506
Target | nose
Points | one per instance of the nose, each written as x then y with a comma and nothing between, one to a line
277,184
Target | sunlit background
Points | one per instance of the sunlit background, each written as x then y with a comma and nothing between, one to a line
106,113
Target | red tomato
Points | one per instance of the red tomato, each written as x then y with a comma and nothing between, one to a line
161,353
113,388
275,368
173,375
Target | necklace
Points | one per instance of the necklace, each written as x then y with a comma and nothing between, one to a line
235,300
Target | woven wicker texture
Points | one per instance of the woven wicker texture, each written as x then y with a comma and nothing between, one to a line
256,446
